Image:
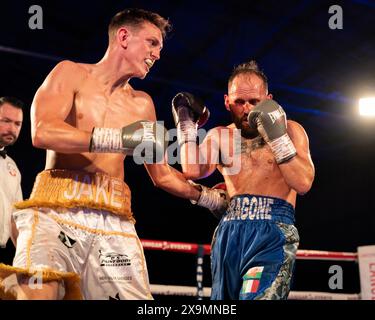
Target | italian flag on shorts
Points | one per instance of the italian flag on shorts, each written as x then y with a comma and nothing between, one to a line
251,280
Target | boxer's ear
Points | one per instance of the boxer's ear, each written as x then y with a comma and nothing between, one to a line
226,102
123,35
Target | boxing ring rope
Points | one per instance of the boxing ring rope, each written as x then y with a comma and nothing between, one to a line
201,250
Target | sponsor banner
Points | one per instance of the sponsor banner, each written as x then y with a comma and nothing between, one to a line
366,259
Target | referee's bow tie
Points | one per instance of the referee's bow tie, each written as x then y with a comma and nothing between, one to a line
3,153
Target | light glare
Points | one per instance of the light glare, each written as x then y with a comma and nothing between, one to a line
367,107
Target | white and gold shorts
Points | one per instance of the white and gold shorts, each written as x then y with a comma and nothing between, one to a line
77,228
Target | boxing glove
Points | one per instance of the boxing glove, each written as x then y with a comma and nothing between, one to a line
222,190
215,199
269,118
143,138
189,114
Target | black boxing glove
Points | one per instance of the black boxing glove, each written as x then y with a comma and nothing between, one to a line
269,118
189,114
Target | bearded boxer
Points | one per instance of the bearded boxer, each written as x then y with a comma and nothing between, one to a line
11,118
76,232
256,240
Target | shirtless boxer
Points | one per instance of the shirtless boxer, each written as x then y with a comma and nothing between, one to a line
255,244
76,232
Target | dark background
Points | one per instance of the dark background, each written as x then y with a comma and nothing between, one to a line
315,73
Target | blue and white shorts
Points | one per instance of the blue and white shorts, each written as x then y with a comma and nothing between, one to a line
254,249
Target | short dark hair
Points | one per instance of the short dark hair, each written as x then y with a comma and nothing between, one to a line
17,103
248,67
135,17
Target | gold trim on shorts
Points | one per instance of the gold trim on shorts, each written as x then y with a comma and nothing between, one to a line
71,280
78,189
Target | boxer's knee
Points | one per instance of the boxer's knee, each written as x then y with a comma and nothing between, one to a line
26,288
51,290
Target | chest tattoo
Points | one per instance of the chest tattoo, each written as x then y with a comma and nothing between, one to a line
247,145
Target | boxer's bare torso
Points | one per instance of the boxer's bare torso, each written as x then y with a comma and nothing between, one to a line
258,172
77,97
94,105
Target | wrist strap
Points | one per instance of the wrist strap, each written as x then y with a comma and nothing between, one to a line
187,131
283,148
106,140
210,199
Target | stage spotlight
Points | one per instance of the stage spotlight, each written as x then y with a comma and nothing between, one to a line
367,107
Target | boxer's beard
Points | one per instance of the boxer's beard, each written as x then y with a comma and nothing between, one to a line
241,123
6,142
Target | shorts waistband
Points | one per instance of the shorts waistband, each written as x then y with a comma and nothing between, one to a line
71,189
249,207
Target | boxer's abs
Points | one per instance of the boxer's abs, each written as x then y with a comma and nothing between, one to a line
259,175
109,163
